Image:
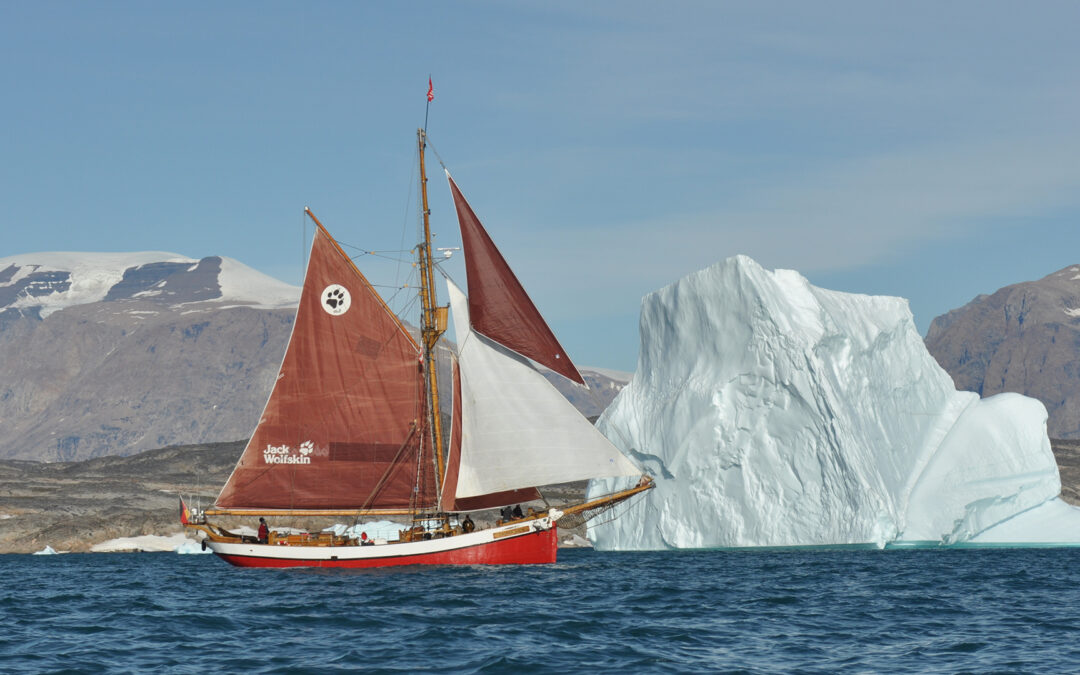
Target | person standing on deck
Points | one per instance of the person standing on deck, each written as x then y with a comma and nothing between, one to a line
264,531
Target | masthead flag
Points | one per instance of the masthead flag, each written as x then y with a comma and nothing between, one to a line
430,91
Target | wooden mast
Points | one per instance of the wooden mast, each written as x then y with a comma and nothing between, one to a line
433,321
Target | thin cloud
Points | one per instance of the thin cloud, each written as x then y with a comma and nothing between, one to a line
852,214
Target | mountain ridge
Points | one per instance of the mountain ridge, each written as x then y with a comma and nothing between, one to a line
1022,338
122,353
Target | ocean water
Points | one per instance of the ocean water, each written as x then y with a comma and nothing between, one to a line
813,611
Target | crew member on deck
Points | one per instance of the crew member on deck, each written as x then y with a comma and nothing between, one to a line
264,531
467,525
517,512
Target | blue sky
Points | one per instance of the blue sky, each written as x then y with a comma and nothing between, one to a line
926,150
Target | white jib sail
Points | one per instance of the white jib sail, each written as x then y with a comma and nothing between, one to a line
518,431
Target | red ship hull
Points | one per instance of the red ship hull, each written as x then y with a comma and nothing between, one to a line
532,548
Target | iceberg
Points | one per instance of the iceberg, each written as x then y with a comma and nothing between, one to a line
775,413
48,550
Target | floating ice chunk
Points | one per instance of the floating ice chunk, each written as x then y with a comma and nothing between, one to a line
144,543
48,550
191,547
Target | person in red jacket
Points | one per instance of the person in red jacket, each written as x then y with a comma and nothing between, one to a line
264,531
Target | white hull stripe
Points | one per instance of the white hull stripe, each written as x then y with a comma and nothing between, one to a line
374,552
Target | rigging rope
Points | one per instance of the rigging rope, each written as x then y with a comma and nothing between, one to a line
441,163
378,254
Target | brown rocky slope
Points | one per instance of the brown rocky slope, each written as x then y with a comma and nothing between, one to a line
1023,338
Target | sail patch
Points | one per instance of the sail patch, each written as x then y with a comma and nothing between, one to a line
336,299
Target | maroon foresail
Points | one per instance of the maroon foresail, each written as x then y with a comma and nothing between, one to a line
499,307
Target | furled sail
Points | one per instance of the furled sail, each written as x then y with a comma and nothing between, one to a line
344,423
517,430
499,307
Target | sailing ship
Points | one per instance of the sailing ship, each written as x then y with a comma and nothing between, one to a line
354,422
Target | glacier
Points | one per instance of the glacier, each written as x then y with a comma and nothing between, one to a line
775,413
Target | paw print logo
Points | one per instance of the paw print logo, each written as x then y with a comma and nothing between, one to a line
306,448
336,299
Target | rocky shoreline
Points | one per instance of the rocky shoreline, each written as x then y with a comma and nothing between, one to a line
71,506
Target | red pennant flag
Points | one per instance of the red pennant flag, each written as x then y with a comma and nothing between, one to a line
185,515
430,91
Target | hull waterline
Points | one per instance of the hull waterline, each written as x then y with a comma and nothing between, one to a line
529,543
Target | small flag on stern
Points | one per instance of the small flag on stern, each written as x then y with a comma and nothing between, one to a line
185,515
430,91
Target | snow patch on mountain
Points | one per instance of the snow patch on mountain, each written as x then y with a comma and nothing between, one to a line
617,376
241,284
82,277
775,413
52,281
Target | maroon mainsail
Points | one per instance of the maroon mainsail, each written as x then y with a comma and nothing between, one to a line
345,423
499,308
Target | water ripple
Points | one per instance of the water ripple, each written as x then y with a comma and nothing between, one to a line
696,611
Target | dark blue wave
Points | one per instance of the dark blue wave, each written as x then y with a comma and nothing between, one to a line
813,611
